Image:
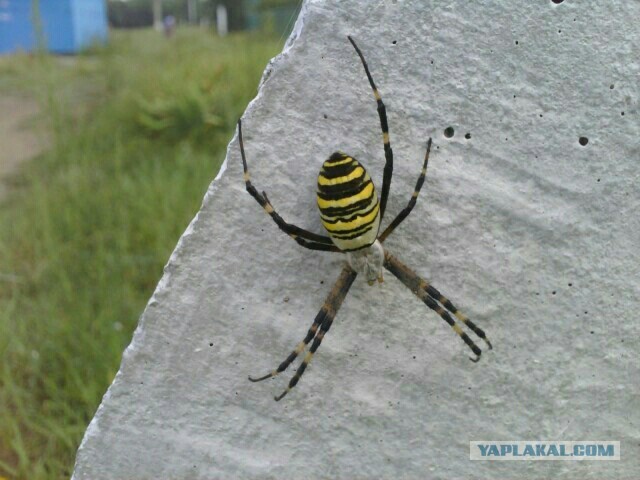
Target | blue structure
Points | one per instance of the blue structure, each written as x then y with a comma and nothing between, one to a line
67,26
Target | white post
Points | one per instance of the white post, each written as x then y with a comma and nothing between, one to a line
157,14
192,11
221,20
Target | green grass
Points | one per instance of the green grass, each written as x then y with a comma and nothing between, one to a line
138,130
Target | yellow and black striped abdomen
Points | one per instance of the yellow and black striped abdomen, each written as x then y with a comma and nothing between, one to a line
348,203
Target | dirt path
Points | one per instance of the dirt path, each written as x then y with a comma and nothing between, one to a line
19,141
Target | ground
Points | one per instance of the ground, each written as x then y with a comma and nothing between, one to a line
20,140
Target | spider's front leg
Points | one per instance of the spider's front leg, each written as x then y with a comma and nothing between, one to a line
412,202
307,239
323,319
384,125
431,296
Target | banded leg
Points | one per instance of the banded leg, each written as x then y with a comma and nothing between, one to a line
388,153
433,305
325,319
305,238
295,232
412,202
332,305
320,317
434,293
429,295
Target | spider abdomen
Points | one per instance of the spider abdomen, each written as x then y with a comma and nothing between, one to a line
348,203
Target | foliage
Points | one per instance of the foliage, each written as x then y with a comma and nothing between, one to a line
270,4
138,130
129,14
138,13
178,118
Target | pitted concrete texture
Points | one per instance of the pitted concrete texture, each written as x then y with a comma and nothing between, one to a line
533,235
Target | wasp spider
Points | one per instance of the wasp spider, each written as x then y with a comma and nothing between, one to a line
352,213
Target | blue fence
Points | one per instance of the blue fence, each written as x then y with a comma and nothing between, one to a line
66,26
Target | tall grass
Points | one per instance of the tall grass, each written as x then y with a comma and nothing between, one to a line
138,131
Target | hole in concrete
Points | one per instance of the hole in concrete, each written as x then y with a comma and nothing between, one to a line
517,42
583,141
612,86
571,284
325,116
622,113
211,344
467,136
553,293
598,180
557,2
394,42
448,132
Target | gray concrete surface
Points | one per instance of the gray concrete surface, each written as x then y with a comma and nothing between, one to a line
535,236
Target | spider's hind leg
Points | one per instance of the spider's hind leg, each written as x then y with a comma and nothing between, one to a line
434,293
430,296
433,305
324,319
320,317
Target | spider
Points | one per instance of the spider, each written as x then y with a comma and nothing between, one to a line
351,213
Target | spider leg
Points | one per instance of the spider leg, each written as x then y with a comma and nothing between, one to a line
295,232
320,317
430,296
388,153
434,293
412,202
307,239
326,315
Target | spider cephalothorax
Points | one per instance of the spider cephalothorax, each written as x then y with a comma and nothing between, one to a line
368,261
351,213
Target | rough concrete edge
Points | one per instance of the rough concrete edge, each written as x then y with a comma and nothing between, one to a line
93,428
